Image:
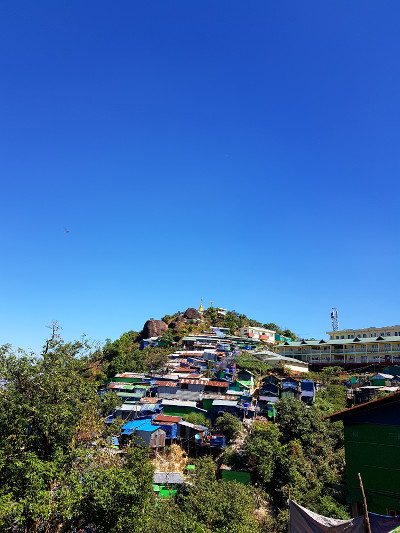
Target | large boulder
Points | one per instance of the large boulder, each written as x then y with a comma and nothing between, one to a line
192,314
154,328
177,322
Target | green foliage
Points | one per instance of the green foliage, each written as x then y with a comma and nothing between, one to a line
303,453
231,322
273,327
229,426
247,361
113,496
219,507
55,469
288,333
331,399
198,419
168,318
211,315
168,517
123,355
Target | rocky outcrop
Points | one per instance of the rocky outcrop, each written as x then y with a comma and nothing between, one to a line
192,314
154,328
177,322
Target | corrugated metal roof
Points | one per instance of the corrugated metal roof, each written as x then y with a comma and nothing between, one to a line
193,396
187,424
217,384
179,403
216,396
194,381
224,402
129,407
129,375
129,394
168,477
166,384
166,418
361,340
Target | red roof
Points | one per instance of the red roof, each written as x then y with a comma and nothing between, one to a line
217,384
194,381
166,418
165,383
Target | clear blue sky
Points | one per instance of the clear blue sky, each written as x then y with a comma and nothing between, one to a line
242,152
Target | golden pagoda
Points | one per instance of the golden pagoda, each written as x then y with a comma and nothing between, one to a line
201,308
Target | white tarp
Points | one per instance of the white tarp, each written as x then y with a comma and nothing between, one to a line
302,520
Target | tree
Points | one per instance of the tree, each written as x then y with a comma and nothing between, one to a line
167,337
290,334
229,426
273,327
55,468
198,419
211,315
219,506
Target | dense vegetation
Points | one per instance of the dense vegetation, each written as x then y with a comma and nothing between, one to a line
231,320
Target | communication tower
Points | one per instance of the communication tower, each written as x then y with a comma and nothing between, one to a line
334,317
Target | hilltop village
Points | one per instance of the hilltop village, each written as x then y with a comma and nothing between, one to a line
220,383
205,421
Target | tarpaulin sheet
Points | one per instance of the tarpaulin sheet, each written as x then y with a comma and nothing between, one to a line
302,520
384,524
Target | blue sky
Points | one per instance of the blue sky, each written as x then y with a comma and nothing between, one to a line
245,153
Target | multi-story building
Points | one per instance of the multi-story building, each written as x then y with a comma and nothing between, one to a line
357,352
262,334
365,333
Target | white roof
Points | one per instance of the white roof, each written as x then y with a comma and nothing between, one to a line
180,403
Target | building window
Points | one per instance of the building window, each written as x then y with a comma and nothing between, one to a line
395,333
331,337
388,333
337,336
342,336
364,335
382,333
349,336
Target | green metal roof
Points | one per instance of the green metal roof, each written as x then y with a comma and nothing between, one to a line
365,340
130,394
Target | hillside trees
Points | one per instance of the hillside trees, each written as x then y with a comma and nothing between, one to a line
300,452
218,506
53,446
124,355
229,425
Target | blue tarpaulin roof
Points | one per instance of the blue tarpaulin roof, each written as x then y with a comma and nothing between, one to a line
131,426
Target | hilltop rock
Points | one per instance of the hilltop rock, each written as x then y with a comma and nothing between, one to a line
177,322
154,328
192,313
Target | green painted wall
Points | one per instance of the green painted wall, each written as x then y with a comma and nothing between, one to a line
123,380
174,410
207,404
374,451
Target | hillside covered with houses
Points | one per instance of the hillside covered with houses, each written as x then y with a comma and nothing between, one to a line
205,421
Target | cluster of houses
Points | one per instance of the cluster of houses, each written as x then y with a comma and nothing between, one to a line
203,378
200,380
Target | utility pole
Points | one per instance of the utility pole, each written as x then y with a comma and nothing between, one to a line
366,519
